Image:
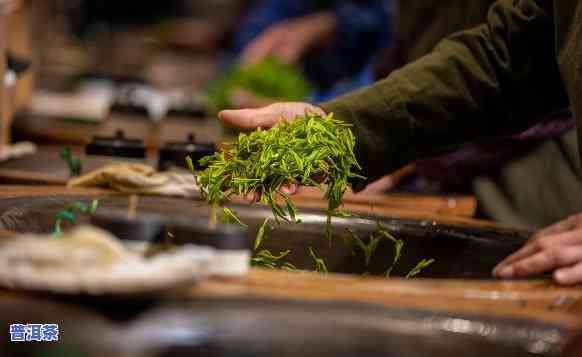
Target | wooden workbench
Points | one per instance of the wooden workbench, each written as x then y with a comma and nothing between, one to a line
530,301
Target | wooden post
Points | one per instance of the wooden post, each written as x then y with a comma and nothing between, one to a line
5,113
6,8
19,44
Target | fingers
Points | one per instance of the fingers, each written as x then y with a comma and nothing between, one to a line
540,243
527,250
249,119
541,262
553,229
289,189
292,110
562,251
570,223
252,197
268,116
569,276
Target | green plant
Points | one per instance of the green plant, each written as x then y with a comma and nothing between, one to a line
269,78
68,214
74,164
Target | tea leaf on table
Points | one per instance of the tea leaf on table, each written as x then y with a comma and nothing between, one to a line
266,259
423,264
289,267
398,245
261,234
74,164
228,216
190,164
368,249
68,214
320,266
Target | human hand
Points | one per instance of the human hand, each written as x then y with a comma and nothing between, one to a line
557,247
289,41
268,117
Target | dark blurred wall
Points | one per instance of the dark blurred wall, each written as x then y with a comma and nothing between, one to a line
87,14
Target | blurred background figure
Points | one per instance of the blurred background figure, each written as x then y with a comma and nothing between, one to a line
332,41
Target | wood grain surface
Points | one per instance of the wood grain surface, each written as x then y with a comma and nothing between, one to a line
538,300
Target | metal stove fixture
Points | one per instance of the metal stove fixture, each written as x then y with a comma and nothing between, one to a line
175,153
118,146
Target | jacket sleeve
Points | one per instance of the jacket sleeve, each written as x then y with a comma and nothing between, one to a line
497,78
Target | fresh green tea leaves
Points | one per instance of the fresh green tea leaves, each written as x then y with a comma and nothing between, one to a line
398,245
190,164
68,214
269,78
320,266
289,267
228,216
75,165
266,259
309,151
261,234
374,239
368,249
423,264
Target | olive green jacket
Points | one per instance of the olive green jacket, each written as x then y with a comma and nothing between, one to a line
421,24
498,78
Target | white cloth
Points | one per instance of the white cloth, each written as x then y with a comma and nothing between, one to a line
17,150
139,179
90,260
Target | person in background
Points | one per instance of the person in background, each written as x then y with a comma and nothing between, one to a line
332,40
498,78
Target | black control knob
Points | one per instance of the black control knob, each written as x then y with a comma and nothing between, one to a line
175,153
117,146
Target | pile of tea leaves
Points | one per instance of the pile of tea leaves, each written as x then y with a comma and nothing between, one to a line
269,78
312,150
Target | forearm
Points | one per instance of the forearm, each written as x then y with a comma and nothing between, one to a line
497,78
